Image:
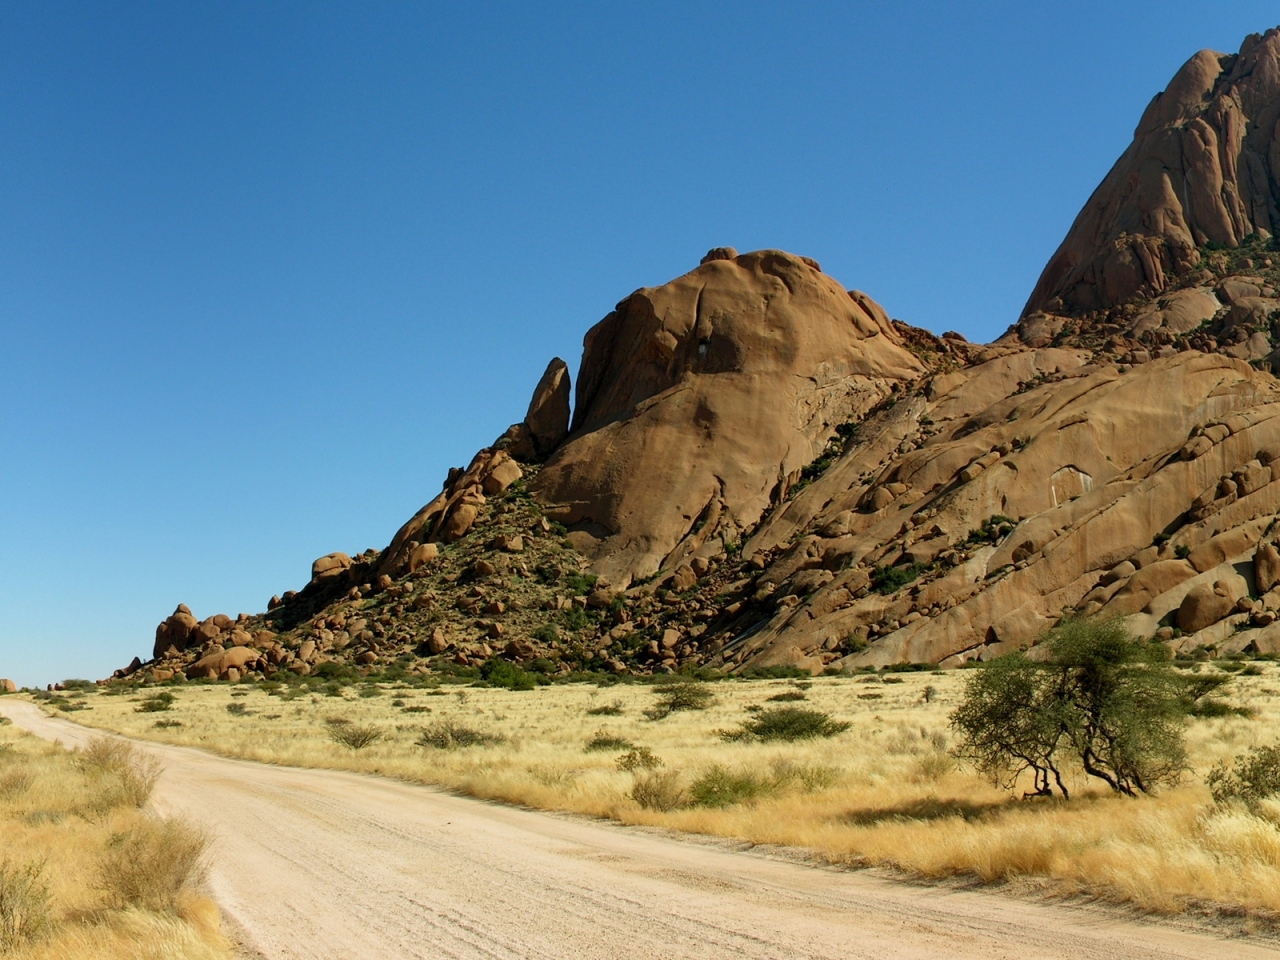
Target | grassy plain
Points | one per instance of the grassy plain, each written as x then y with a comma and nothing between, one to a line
885,792
84,872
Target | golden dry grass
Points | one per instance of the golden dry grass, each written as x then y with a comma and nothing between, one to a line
885,792
65,813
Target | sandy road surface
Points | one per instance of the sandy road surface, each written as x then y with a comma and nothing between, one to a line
317,864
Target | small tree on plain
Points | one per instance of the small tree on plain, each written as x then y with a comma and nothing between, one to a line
1098,697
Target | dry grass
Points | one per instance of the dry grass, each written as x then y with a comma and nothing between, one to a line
885,791
75,848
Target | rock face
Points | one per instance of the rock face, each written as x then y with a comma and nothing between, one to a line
699,400
1203,168
762,468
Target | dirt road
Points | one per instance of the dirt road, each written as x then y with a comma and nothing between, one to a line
316,864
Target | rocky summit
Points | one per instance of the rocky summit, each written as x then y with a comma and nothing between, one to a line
758,467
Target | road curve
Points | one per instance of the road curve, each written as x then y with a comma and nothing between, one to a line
317,864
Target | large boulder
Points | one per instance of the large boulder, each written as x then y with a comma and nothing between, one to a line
175,631
216,665
1205,605
330,566
699,401
548,416
1202,168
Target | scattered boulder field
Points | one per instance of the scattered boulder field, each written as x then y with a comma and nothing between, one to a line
761,468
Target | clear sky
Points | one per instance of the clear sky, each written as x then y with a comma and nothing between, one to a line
268,270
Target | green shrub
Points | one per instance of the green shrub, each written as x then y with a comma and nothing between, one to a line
613,709
1253,777
237,709
449,735
886,580
502,673
788,723
24,904
719,787
547,633
602,740
156,703
682,694
1182,551
579,583
777,672
787,696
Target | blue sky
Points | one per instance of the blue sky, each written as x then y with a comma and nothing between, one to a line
267,271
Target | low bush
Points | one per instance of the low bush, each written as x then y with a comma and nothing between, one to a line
788,723
128,774
501,673
237,709
156,703
657,790
787,696
681,695
638,758
1252,777
607,741
886,580
606,710
24,904
149,865
354,735
449,734
720,787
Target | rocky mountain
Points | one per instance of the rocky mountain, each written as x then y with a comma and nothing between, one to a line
761,468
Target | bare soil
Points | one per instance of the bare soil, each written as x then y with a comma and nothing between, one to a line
323,864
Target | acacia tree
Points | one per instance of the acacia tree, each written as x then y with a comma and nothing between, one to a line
1095,695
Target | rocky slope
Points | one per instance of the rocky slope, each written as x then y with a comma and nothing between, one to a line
761,468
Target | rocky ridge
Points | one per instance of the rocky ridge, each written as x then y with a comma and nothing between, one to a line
761,468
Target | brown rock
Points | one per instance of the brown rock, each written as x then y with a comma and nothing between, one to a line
366,658
422,555
8,686
329,566
1266,567
307,651
215,665
510,543
437,643
240,638
548,415
264,638
1205,605
483,568
459,522
502,475
684,578
756,338
1200,169
175,631
385,582
520,650
670,639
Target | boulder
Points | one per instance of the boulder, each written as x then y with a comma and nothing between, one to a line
502,475
693,398
459,522
8,686
548,416
1266,567
215,665
175,631
520,650
329,566
423,554
1205,605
